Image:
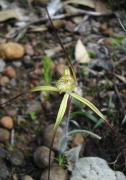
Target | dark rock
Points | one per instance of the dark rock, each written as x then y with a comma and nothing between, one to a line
4,173
2,153
56,173
33,106
41,157
4,134
48,134
16,157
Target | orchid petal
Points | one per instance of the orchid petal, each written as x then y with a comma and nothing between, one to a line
42,88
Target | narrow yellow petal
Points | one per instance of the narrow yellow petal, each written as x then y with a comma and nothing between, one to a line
89,104
61,111
42,88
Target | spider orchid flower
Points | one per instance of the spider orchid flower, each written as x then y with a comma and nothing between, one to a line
66,85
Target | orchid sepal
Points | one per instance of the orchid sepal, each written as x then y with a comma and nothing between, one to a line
42,88
90,105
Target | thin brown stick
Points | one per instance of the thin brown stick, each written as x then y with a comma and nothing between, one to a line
61,44
50,154
13,99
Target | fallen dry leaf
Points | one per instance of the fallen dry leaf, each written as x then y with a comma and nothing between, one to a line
100,6
89,3
81,54
8,14
11,51
39,28
122,78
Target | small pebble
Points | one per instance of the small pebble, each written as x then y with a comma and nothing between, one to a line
11,112
77,139
92,84
56,173
11,51
10,72
69,26
34,76
2,153
16,157
2,65
27,59
4,80
43,96
109,31
13,82
47,105
103,27
38,71
41,157
4,134
32,106
4,173
29,50
17,64
52,65
7,122
48,134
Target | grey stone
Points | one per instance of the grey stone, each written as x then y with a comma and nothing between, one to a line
41,157
56,173
13,82
2,65
48,134
73,154
33,106
94,168
27,59
17,63
4,173
16,157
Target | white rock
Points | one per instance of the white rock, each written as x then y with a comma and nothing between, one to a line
73,154
94,168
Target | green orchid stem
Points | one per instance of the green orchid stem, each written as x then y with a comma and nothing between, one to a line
67,118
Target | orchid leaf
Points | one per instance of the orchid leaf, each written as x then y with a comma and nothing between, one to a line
100,121
83,132
71,133
42,88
